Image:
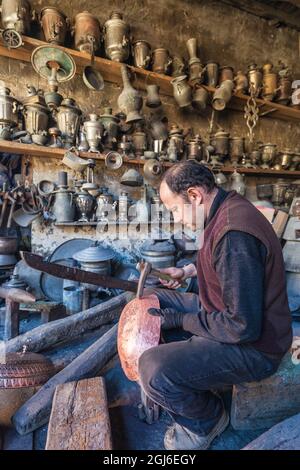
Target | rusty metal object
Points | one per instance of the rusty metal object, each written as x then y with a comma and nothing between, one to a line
54,24
137,332
87,32
21,375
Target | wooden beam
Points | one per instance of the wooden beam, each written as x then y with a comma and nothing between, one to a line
36,411
268,12
46,335
79,418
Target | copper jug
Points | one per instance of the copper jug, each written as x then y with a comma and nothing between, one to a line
269,82
54,24
116,37
87,32
141,51
161,61
255,80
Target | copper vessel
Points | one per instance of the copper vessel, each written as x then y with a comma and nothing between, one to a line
153,99
137,332
21,375
237,149
178,66
116,37
225,73
241,82
141,51
196,70
220,142
54,24
161,61
200,98
130,100
139,141
195,148
269,82
222,95
68,120
269,152
255,80
182,91
87,32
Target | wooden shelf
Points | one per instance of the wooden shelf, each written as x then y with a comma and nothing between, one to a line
32,150
111,72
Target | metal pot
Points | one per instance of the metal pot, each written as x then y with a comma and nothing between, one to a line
85,203
269,152
95,259
68,120
264,191
237,183
87,32
116,37
237,149
153,99
54,24
8,245
93,130
284,90
220,142
161,61
225,73
64,208
195,148
255,79
132,178
21,375
130,101
141,51
105,205
279,190
161,254
152,170
269,82
15,14
8,109
212,73
241,82
139,141
222,95
111,128
200,98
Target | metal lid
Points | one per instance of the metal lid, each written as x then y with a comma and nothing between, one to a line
94,254
19,370
155,248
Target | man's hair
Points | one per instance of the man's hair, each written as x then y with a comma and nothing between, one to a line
183,175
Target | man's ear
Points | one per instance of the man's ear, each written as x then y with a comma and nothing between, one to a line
194,195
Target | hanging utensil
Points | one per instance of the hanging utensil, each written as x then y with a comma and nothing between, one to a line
92,78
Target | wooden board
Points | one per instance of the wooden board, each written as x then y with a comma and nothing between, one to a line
79,418
280,222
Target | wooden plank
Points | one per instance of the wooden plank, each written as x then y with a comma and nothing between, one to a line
36,411
280,222
79,418
11,324
51,333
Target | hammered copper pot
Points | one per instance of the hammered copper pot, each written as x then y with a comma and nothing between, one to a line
161,61
141,51
21,376
87,32
54,24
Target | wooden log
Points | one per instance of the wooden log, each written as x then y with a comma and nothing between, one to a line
282,436
36,411
44,336
64,353
11,322
79,418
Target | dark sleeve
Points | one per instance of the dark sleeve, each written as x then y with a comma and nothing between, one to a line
239,261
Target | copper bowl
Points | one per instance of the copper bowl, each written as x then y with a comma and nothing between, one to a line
8,245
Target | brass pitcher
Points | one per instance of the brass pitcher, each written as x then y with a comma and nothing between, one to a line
116,37
255,80
54,24
141,51
87,32
269,82
161,61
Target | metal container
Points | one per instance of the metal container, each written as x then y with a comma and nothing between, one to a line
220,143
225,73
182,91
237,149
8,109
15,282
64,207
139,141
141,51
68,120
241,82
116,37
72,299
36,118
85,203
93,130
130,101
132,178
21,376
105,205
212,73
238,183
54,24
222,95
255,80
87,32
284,90
200,98
264,191
161,254
8,245
153,99
195,148
176,136
15,14
95,259
161,61
111,128
269,152
269,82
279,189
285,159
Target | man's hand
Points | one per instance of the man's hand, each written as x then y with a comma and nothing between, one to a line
177,275
170,318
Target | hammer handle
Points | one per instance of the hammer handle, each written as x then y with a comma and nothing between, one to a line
165,277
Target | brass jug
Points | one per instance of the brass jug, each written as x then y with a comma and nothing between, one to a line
269,82
116,37
54,24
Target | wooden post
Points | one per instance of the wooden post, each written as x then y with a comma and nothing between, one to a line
11,323
79,418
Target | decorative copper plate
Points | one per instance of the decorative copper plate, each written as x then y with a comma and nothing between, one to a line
137,332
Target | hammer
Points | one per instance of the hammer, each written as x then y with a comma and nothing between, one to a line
13,298
155,272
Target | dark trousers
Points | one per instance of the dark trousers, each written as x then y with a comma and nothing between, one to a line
183,375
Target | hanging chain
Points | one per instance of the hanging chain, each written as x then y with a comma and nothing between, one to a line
251,114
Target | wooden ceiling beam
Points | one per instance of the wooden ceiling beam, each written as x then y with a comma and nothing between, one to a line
269,12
